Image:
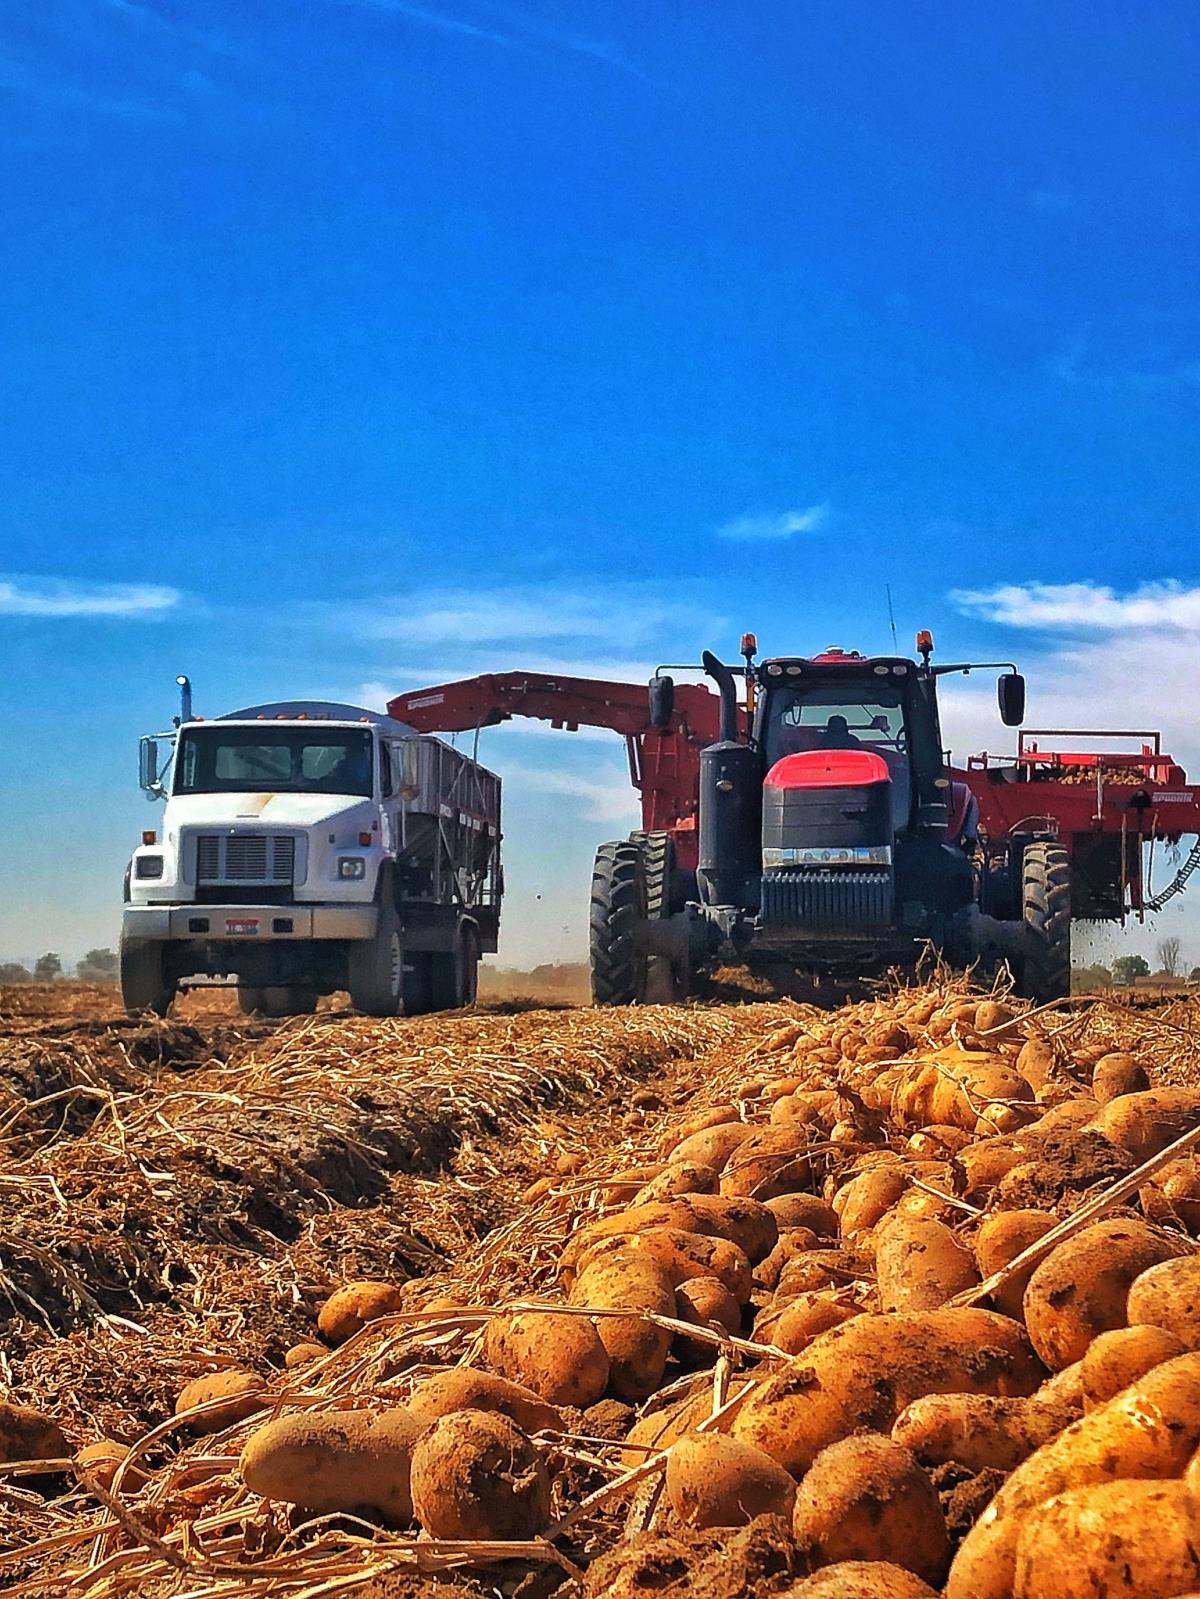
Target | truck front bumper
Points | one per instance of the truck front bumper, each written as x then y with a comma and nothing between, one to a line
247,924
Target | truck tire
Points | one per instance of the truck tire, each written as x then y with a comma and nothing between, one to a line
376,965
144,985
454,977
250,1000
292,1001
618,904
1046,912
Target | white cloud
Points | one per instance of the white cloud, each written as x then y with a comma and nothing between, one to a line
775,524
613,800
60,598
1090,607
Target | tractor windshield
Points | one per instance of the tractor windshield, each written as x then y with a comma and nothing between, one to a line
842,716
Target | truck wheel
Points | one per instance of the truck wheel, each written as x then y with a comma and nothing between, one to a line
417,998
1046,912
297,1001
250,1000
376,976
144,984
618,904
454,977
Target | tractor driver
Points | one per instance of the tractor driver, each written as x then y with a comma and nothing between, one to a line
837,735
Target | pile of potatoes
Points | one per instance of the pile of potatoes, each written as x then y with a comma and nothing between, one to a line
840,1212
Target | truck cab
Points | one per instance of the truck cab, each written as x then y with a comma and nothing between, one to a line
307,847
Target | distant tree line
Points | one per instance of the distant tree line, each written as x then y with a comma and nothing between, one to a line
97,966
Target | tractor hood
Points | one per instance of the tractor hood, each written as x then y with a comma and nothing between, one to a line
851,768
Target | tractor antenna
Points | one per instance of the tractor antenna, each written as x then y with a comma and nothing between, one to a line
891,616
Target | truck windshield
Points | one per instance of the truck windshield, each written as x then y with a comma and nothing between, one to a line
277,760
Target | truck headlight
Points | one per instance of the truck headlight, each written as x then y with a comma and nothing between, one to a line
352,866
148,866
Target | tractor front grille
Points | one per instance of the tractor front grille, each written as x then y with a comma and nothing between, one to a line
260,859
828,904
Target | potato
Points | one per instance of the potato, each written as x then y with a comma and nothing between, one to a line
1000,1239
811,1108
992,1014
680,1177
1117,1074
865,1199
681,1255
699,1122
476,1475
241,1391
974,1089
1080,1288
808,1316
349,1310
978,1431
860,1579
301,1354
715,1481
102,1460
1145,1124
661,1428
795,1241
1148,1431
744,1222
773,1160
804,1210
637,1348
1139,1539
705,1301
1168,1296
1036,1063
712,1147
1180,1182
559,1357
939,1141
467,1388
866,1498
1072,1116
984,1165
1064,1387
1116,1359
336,1460
822,1268
920,1263
863,1374
28,1434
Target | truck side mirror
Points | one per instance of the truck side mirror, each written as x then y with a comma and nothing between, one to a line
148,765
1010,688
662,701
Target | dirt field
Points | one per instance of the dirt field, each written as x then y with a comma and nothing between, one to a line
178,1199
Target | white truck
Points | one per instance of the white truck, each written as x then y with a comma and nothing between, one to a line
309,847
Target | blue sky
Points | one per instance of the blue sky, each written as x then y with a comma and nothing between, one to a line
349,344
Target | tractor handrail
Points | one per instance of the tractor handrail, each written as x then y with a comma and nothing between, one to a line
1086,732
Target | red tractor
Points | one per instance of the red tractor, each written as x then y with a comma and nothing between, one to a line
813,822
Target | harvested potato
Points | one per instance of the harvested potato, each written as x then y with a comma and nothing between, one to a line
822,1268
1168,1296
680,1177
699,1122
1145,1124
476,1475
1036,1063
1000,1239
814,1107
637,1348
920,1263
467,1388
713,1147
716,1481
1180,1182
867,1198
661,1428
979,1431
559,1357
240,1391
339,1460
939,1141
744,1222
1117,1074
1139,1539
861,1579
806,1317
974,1089
863,1373
993,1016
795,1241
804,1210
681,1255
301,1354
1110,1443
866,1498
773,1160
985,1165
1079,1290
102,1460
348,1311
1116,1359
705,1302
28,1434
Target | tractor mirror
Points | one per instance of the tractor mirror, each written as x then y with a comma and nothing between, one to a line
1011,690
148,765
662,701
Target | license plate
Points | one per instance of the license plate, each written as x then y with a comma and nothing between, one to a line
241,925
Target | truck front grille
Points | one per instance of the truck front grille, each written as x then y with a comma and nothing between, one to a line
266,859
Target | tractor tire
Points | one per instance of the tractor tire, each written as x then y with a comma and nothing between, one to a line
618,904
144,984
1046,912
662,984
376,965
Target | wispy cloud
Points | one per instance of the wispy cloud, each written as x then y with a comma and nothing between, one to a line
1086,606
59,599
775,524
1077,365
605,801
500,24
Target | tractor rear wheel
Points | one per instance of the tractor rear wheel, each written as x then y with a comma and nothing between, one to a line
1046,912
662,984
618,904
